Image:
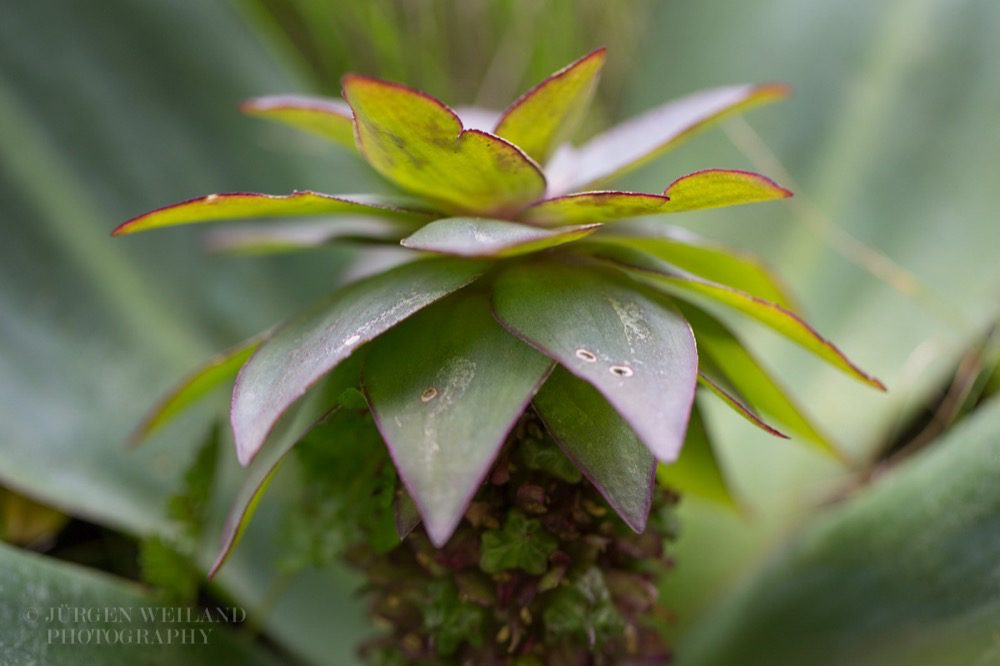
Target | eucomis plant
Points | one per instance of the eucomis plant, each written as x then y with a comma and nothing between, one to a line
534,309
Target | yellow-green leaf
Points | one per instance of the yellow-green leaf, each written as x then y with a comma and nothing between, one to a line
546,116
329,118
642,138
697,471
718,188
587,207
419,143
477,237
249,205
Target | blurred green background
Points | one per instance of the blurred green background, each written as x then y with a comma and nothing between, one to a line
891,142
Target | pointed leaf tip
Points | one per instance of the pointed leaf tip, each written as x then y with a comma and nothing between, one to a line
548,114
330,118
717,188
420,144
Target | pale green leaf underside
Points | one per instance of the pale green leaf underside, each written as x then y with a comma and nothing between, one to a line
642,138
211,374
250,205
546,116
596,438
703,258
419,144
445,387
697,471
478,237
329,118
305,349
620,336
270,238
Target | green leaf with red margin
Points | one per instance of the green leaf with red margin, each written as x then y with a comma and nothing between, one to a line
694,254
587,207
621,336
214,372
329,118
600,443
478,237
248,205
445,388
419,143
734,402
726,354
547,115
303,350
697,471
773,316
642,138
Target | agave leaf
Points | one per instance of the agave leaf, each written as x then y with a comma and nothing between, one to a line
620,336
736,404
419,143
718,188
445,388
601,444
214,372
773,316
303,350
723,351
693,254
247,205
477,237
329,118
588,207
547,115
697,471
642,138
291,237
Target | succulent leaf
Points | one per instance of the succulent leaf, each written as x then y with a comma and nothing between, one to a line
547,115
642,138
211,374
694,254
249,205
329,118
718,346
303,350
419,143
697,471
718,188
446,387
625,339
773,316
593,207
596,438
478,237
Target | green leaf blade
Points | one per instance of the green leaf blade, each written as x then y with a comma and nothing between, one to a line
624,339
305,349
248,205
419,143
719,188
642,138
329,118
546,116
697,470
445,388
737,405
601,444
587,207
477,237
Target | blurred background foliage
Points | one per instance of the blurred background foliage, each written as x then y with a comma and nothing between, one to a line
891,142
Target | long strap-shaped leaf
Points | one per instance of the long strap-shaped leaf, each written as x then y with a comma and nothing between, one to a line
328,118
308,347
419,143
446,386
546,116
635,141
601,444
249,205
619,335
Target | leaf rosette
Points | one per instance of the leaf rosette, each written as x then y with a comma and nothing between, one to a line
526,285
